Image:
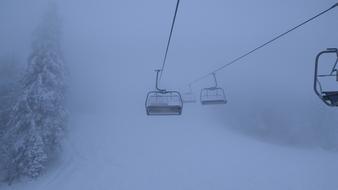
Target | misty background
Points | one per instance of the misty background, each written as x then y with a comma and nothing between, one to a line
111,49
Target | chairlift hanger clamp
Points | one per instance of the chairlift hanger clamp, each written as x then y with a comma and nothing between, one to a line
157,81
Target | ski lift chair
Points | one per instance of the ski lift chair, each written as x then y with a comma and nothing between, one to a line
213,95
189,97
162,102
329,97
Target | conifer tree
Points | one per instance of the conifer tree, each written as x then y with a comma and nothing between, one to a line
37,119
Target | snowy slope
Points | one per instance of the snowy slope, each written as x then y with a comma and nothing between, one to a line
181,153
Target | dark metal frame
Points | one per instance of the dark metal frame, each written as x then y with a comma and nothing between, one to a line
334,73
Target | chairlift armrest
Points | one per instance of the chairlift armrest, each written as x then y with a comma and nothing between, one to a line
332,49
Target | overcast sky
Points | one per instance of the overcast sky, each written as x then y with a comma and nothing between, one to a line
112,47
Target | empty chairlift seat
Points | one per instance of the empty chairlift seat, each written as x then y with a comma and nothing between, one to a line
213,96
329,97
164,103
189,98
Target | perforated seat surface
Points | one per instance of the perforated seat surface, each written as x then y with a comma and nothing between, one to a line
213,102
164,110
189,99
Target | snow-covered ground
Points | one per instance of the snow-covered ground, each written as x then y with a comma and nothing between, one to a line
112,151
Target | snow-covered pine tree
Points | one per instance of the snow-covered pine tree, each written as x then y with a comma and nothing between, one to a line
38,118
9,72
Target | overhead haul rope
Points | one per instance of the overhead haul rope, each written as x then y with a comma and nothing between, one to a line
169,40
263,45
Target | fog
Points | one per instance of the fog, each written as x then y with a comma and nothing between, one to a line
112,48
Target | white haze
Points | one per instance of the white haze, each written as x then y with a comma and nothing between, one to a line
111,49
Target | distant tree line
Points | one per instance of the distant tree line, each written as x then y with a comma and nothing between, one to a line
289,124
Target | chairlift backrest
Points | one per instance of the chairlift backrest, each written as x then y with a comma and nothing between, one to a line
163,102
189,96
330,97
213,95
